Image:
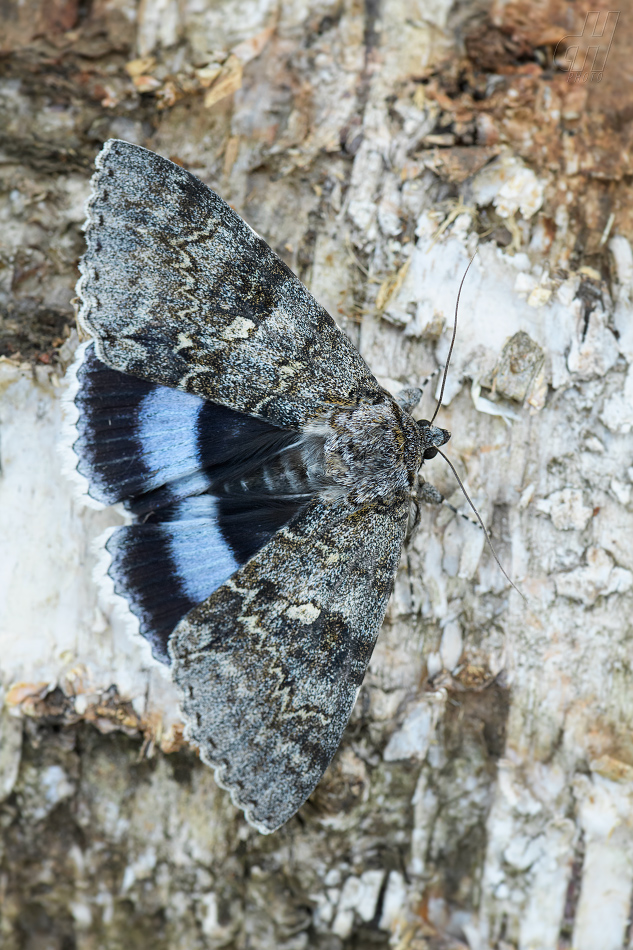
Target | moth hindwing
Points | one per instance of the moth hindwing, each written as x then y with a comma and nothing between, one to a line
268,475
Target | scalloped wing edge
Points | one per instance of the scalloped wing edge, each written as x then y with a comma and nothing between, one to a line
80,288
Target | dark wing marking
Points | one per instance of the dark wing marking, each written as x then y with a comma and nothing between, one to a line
177,289
270,665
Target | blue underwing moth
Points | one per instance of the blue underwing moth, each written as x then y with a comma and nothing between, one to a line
270,479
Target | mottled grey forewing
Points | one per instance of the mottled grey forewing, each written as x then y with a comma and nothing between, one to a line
177,289
270,665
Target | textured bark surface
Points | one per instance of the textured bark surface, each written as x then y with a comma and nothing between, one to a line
483,793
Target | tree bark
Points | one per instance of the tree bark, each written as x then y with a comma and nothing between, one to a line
482,796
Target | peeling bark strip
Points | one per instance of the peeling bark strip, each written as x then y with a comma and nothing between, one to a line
481,794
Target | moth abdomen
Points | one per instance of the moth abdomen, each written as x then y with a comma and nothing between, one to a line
295,471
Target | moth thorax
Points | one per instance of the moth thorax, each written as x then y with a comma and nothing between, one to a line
370,453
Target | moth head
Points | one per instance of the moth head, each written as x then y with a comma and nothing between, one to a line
432,438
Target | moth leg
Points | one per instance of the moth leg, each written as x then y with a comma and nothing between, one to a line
414,518
410,397
430,495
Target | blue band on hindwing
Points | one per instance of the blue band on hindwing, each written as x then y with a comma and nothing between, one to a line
162,452
201,556
164,568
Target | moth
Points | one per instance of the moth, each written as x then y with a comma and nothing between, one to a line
269,477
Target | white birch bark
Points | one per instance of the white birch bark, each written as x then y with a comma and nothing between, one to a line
483,795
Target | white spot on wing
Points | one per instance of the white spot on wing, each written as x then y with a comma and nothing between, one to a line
183,342
239,329
304,613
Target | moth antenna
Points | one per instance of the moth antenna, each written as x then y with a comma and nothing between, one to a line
450,349
425,382
461,513
482,525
